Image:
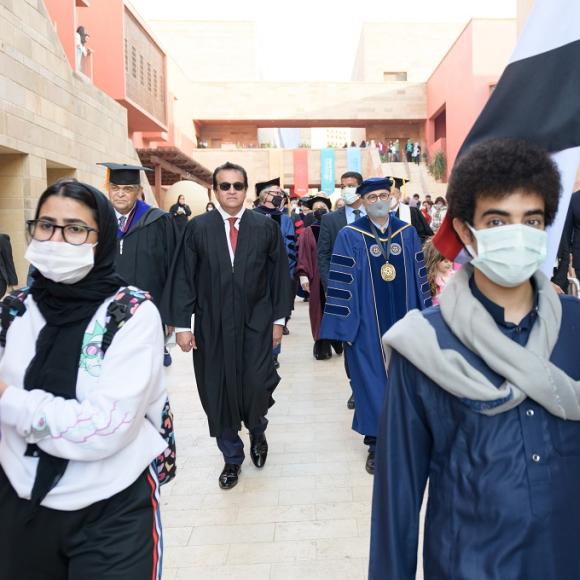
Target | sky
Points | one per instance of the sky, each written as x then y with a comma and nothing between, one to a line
289,33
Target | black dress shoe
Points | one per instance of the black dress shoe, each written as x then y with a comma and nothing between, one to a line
370,464
229,475
285,331
321,350
276,363
258,450
337,346
350,403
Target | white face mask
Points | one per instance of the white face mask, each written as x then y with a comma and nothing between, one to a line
61,262
509,255
349,195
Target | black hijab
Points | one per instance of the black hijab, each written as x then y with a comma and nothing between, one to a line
68,309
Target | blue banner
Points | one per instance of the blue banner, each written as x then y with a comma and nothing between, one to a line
327,163
354,159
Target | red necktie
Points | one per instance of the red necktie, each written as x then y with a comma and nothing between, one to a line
233,233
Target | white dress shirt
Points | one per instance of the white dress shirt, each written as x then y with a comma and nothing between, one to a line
382,229
226,217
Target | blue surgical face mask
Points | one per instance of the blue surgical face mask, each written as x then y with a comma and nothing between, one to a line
509,255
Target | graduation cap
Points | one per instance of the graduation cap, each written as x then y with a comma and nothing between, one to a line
124,174
312,200
374,184
262,185
398,182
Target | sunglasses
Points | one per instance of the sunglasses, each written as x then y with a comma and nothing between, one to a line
238,186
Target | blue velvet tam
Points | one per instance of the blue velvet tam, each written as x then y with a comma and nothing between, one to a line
373,184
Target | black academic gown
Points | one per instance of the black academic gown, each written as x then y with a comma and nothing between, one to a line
145,252
8,275
419,222
235,308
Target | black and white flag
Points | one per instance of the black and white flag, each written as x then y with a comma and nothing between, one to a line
537,99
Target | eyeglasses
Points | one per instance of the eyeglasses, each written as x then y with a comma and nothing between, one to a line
74,234
124,188
238,186
373,197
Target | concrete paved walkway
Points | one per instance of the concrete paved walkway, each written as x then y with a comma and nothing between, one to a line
306,515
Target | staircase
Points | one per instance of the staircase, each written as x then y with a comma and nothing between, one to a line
421,181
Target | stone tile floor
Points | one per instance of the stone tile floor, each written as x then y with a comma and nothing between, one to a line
305,515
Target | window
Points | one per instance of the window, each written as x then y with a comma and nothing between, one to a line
149,87
141,70
395,76
134,62
440,125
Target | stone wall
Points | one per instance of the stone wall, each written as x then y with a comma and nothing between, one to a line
321,103
53,122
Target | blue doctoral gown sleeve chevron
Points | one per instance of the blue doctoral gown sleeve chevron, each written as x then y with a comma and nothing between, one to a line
420,284
341,314
289,236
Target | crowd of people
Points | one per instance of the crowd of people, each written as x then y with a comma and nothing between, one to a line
480,395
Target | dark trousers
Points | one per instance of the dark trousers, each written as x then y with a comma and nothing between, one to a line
232,446
115,539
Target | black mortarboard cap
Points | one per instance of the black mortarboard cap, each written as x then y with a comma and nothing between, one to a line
398,182
312,200
124,174
265,184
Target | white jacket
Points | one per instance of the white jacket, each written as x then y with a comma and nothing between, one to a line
110,433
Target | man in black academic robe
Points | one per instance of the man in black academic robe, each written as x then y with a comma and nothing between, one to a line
146,237
231,273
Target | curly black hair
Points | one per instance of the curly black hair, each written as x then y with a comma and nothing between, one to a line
498,167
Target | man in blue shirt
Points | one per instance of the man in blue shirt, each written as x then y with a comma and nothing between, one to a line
483,397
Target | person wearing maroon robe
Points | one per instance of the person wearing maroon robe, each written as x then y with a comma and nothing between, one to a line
309,275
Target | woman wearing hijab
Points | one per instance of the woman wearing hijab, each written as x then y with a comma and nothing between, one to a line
79,496
180,212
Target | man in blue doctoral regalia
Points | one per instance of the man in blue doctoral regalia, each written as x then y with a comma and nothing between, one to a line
484,395
377,274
